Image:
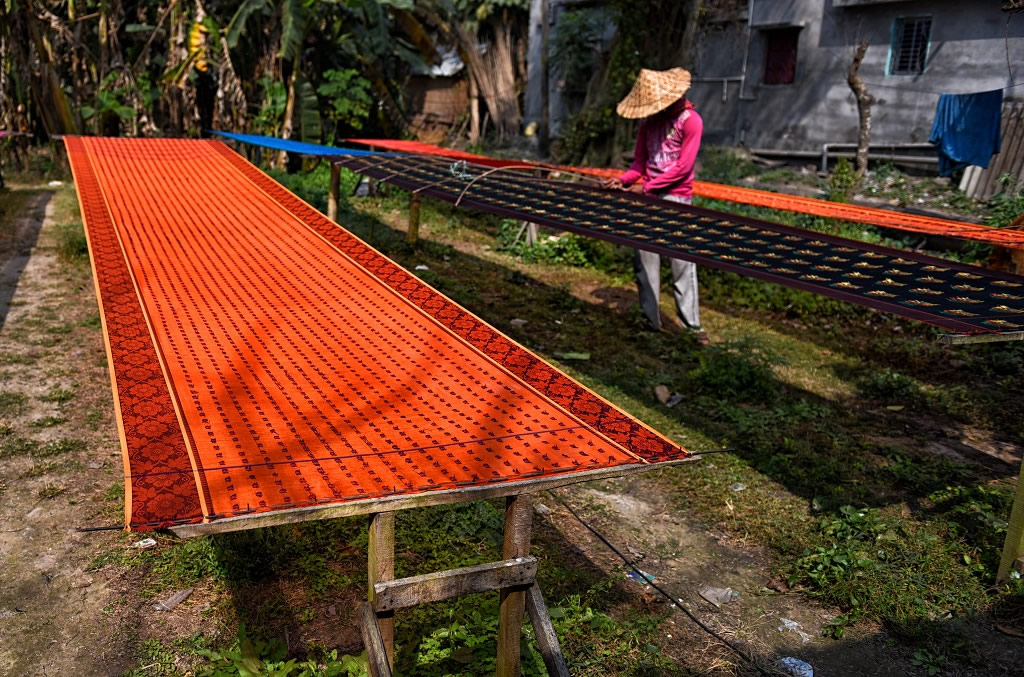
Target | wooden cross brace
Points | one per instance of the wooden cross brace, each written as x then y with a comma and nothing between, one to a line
515,578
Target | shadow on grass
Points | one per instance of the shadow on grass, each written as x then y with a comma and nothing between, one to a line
302,586
827,453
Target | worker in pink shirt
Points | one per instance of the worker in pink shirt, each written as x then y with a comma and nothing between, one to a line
663,166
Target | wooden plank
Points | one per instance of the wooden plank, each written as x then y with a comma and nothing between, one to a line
414,219
381,567
513,600
373,643
1019,167
547,638
1012,144
990,177
332,193
406,592
1014,161
964,339
406,501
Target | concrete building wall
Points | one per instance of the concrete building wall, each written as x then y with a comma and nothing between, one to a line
967,53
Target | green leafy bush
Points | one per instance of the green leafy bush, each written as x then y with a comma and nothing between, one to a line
722,164
566,249
249,657
313,186
736,370
843,182
348,94
878,566
1006,205
574,46
888,384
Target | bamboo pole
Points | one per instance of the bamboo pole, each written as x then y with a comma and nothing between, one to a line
332,195
414,219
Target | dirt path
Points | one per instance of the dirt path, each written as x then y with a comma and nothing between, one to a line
59,459
685,557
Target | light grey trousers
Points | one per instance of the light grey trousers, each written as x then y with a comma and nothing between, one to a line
647,266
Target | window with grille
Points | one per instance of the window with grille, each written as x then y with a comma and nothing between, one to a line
910,37
780,55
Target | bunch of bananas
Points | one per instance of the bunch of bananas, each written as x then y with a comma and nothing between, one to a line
197,46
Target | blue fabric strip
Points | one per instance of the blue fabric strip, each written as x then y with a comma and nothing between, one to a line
296,146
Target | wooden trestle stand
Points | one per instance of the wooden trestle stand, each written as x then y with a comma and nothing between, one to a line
514,577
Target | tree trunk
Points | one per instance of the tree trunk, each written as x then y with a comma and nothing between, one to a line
864,101
176,53
474,111
232,106
289,114
494,75
64,123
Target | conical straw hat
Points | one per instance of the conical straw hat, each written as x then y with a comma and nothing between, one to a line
653,92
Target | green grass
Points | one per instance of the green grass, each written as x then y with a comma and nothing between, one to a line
59,448
72,246
51,491
49,467
12,403
91,322
20,446
48,422
93,419
17,446
58,396
20,358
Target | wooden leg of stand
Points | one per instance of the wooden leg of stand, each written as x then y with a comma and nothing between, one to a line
382,568
332,194
513,600
376,655
547,639
532,234
414,219
1013,547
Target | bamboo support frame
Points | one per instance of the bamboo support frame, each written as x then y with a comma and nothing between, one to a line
414,219
332,194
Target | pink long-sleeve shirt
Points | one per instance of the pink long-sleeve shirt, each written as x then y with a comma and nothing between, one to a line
666,152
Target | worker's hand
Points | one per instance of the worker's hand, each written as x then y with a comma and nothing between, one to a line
612,184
